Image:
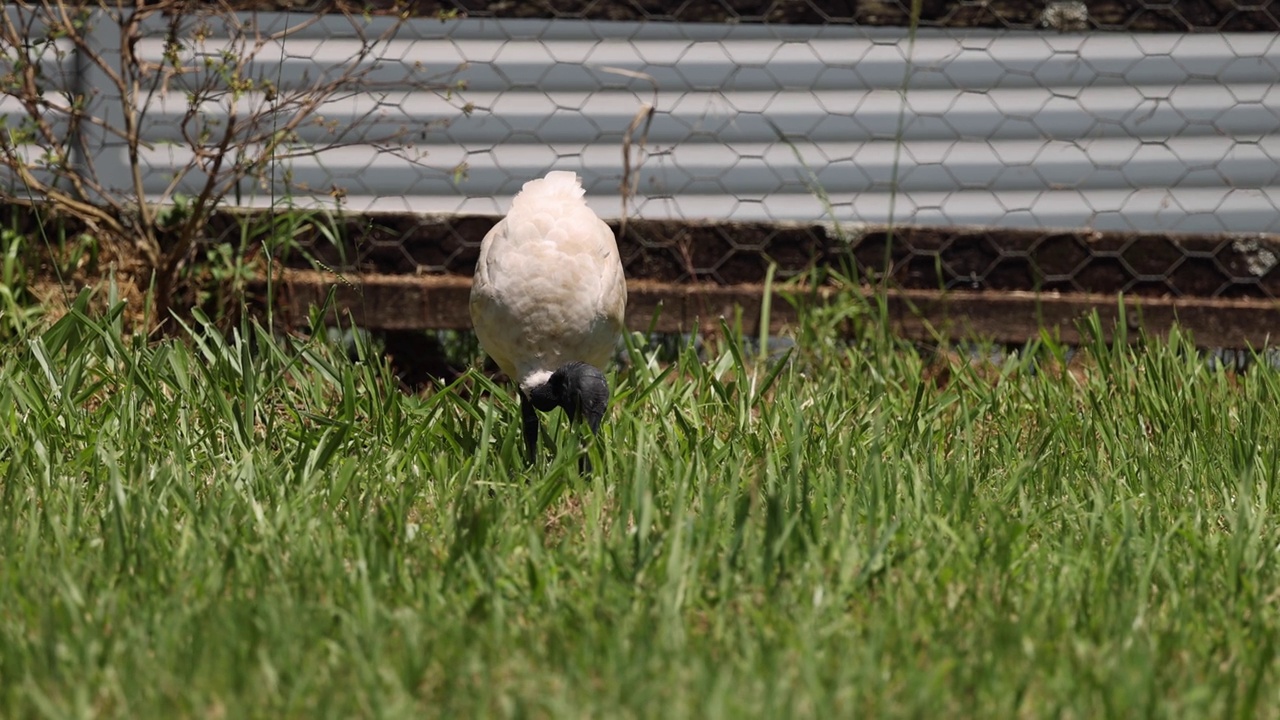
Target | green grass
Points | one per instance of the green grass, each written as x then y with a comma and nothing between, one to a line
248,527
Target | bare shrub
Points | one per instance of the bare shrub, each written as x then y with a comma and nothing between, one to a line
92,92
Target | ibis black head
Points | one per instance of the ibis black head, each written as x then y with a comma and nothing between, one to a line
578,388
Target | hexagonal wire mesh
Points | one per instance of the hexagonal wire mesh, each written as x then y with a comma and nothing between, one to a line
1166,144
1099,161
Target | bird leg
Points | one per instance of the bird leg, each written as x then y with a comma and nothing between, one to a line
529,418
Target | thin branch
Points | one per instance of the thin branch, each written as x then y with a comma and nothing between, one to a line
644,114
261,124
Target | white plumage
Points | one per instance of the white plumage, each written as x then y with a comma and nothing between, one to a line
549,288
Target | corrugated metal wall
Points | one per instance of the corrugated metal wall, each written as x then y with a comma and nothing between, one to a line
1107,131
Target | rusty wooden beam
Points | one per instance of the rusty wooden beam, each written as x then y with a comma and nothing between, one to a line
1015,317
403,302
407,302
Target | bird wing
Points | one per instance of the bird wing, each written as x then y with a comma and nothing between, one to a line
549,285
613,281
491,322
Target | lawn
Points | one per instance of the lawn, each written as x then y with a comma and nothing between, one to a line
257,526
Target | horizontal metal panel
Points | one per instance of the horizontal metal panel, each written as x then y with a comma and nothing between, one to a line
1109,164
1110,131
1191,210
845,58
558,116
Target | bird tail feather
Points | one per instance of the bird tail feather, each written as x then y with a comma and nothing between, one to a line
557,183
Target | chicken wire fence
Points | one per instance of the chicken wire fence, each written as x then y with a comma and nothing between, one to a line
1078,147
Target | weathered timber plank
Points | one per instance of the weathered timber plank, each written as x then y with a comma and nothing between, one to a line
400,302
1015,317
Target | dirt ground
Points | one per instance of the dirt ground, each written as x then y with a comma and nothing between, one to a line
1119,15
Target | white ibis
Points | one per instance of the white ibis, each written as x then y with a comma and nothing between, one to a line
548,301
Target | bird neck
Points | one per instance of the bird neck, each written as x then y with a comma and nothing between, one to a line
543,397
534,379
